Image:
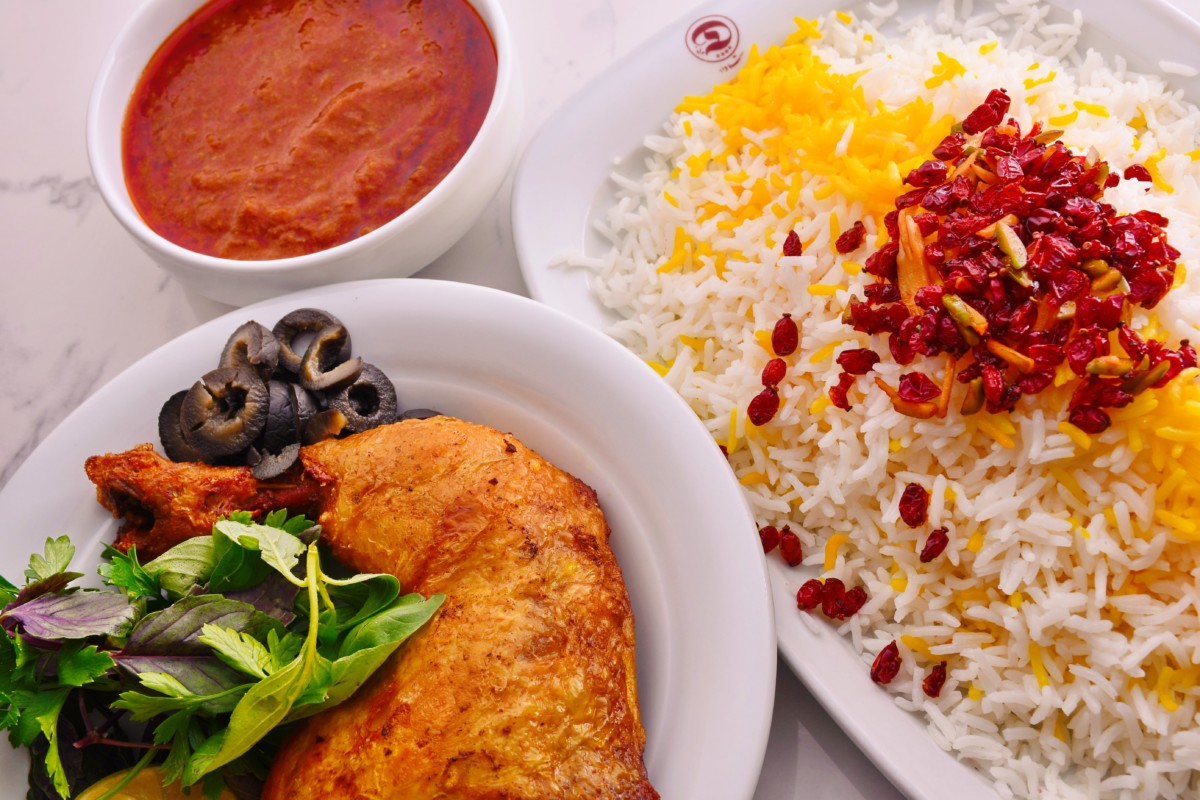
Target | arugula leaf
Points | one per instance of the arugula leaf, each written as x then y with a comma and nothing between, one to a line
79,664
123,571
56,558
187,564
239,650
78,615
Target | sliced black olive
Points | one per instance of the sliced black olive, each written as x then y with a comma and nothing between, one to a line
368,402
253,346
324,368
224,412
325,425
271,465
170,430
298,323
282,427
420,413
307,404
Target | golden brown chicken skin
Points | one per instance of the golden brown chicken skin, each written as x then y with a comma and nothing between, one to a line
523,685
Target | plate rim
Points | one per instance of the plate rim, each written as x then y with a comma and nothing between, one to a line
1100,17
758,640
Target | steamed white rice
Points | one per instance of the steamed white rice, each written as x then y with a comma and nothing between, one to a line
1066,605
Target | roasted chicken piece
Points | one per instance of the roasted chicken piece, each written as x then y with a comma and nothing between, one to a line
522,686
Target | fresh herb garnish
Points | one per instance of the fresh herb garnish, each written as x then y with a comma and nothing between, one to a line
210,647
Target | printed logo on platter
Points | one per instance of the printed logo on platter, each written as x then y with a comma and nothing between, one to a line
715,38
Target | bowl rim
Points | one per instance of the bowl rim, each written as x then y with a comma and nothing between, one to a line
110,177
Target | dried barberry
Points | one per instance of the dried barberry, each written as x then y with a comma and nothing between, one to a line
808,596
769,536
764,406
791,244
785,336
1137,172
914,505
916,387
790,547
774,372
887,664
935,544
857,361
851,239
839,394
833,598
935,680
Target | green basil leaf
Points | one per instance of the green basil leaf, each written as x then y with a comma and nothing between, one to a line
187,564
278,548
394,624
56,558
363,596
235,566
263,707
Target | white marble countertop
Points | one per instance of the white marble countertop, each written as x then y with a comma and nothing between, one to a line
79,302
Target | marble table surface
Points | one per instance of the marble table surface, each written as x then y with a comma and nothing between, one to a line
79,302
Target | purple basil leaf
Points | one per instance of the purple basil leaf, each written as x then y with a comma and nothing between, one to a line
55,583
274,597
176,629
77,615
205,674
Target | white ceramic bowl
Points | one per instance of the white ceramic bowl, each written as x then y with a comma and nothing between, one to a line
396,249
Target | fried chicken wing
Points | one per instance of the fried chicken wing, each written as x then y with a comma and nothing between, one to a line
522,686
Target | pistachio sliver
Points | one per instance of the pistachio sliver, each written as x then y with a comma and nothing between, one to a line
1136,384
973,400
1095,267
1011,245
1109,366
964,315
1107,282
1048,136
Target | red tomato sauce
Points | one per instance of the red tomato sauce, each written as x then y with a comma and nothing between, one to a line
263,129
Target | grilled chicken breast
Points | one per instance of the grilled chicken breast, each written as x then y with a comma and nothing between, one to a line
522,686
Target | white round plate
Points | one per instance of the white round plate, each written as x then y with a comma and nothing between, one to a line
681,531
562,186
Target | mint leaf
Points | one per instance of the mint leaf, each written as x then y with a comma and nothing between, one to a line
123,571
79,665
56,558
240,651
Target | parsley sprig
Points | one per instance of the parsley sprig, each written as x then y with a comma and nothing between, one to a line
207,649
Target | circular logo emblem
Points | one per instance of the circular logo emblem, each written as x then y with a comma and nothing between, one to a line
713,38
